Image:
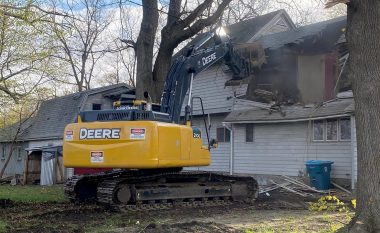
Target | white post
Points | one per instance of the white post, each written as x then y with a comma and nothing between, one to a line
232,150
231,129
354,155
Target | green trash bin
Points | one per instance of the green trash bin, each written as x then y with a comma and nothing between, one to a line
319,173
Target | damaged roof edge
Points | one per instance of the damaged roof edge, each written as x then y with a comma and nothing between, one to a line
288,120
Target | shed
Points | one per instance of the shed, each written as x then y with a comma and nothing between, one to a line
44,165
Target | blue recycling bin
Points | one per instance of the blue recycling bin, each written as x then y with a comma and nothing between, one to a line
319,173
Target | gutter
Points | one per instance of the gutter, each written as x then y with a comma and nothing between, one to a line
231,129
284,121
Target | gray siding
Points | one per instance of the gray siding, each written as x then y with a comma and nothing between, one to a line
16,164
42,143
283,149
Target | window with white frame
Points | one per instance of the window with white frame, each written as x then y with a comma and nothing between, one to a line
249,133
318,130
345,129
223,134
332,129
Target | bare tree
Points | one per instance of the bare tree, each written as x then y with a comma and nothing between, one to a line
79,37
363,18
25,50
241,10
181,24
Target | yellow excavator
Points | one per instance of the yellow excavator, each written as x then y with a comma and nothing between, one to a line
148,145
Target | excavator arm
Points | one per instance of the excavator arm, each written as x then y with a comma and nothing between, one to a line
181,74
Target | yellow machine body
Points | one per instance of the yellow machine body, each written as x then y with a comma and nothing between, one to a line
133,145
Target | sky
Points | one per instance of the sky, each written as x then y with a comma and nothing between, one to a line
302,12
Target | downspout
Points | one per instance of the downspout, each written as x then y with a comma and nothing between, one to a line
353,141
231,129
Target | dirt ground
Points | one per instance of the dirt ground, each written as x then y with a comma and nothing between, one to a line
281,212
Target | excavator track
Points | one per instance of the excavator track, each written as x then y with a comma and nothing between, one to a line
134,191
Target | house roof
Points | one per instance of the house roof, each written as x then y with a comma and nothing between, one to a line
334,108
53,115
277,40
240,32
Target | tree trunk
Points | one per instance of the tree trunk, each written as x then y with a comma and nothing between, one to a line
144,48
161,68
363,32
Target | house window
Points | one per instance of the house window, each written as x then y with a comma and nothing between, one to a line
331,130
96,107
19,153
328,130
223,134
318,131
249,133
345,129
3,152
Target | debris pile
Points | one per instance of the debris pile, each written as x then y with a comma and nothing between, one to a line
294,186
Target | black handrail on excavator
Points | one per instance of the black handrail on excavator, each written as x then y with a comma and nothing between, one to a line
185,68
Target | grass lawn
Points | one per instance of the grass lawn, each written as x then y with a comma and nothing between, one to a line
32,193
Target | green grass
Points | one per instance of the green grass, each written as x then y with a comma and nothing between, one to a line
3,226
32,193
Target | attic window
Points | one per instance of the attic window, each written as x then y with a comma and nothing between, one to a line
96,107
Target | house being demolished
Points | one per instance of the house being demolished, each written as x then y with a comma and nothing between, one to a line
289,111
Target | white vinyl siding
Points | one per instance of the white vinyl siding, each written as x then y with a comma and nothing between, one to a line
283,149
280,26
219,156
210,86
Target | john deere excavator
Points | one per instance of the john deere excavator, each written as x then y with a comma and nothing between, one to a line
148,145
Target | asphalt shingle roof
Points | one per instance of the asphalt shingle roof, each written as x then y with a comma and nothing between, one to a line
239,32
280,39
53,115
293,113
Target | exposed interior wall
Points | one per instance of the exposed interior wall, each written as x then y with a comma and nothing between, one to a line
283,149
278,76
311,78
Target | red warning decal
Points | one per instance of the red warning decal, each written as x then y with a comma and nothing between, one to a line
137,133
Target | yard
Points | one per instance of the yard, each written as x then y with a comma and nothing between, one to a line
43,209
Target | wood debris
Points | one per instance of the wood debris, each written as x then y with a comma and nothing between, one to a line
290,189
340,187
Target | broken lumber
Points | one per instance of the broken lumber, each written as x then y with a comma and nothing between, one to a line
299,183
271,188
340,187
289,189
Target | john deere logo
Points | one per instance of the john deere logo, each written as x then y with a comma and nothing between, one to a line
99,133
